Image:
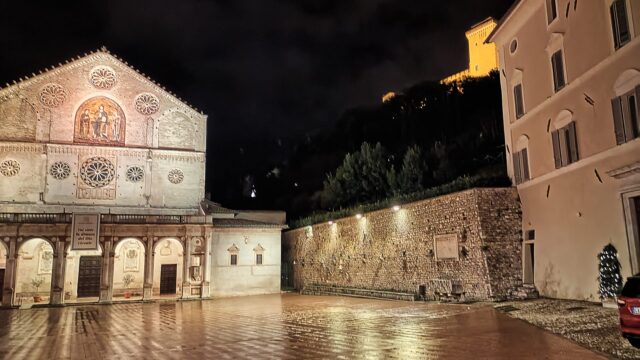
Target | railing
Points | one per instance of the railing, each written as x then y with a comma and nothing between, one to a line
104,219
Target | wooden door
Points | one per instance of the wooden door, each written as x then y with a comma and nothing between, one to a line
89,276
168,275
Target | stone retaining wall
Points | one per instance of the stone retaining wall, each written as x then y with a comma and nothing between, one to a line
478,256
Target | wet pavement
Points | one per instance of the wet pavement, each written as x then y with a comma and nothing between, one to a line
288,326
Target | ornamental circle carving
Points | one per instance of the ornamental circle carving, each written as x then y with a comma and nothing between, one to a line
135,174
97,172
147,104
176,176
52,95
60,170
10,168
102,77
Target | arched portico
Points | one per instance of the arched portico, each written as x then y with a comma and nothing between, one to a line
4,252
33,272
129,269
82,275
168,265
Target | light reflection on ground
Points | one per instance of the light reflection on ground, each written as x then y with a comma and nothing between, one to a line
277,326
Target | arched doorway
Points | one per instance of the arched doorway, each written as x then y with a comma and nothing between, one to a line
83,270
34,267
128,269
167,268
3,267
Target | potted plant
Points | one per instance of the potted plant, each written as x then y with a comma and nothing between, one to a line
36,283
127,280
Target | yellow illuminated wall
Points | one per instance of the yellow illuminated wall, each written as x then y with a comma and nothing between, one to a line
482,57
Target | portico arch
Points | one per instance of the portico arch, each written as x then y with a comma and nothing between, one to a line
34,269
4,251
129,269
168,262
82,274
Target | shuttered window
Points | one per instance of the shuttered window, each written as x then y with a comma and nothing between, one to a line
565,145
552,11
626,116
518,100
234,259
557,66
521,166
619,23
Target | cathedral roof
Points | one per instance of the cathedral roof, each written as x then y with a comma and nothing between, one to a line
101,53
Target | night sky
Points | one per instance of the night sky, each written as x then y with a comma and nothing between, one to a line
263,70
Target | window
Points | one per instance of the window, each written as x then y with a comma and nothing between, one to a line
234,259
552,11
518,100
626,116
557,66
619,23
258,259
521,166
565,145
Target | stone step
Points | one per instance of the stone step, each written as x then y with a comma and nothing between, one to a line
355,292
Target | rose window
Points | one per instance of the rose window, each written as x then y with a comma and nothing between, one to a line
103,77
60,170
135,174
52,95
10,168
97,172
176,176
147,104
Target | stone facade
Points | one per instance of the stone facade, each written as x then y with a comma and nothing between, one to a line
465,245
95,136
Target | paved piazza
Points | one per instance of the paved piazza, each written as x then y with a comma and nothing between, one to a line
286,326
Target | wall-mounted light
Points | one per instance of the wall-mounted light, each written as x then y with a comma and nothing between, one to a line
396,207
330,222
358,216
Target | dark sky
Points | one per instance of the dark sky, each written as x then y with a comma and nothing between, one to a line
274,68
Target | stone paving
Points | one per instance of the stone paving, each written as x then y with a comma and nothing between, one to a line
288,326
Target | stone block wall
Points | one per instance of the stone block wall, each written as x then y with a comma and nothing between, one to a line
478,256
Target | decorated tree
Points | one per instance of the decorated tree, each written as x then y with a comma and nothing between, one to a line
610,279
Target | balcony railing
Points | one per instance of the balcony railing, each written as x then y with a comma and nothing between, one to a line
104,219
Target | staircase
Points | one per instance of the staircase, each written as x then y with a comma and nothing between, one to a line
317,289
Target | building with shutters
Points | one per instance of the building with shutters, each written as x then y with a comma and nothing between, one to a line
570,78
102,177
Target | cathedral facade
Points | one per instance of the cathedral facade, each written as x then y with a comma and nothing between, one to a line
102,175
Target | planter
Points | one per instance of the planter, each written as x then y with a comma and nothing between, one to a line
37,298
127,295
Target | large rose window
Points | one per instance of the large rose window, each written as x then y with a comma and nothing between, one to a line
97,172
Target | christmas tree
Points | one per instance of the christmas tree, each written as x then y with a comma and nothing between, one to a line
610,279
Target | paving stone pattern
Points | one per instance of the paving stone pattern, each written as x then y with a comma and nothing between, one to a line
286,326
389,250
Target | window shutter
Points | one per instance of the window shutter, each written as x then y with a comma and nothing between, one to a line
518,101
573,143
516,167
558,70
637,108
555,139
618,122
623,24
525,165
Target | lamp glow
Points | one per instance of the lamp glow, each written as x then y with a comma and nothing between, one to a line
358,216
396,207
330,222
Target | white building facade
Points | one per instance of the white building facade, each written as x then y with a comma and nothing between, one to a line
94,136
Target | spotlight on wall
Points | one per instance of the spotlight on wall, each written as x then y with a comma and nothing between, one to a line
330,222
396,207
358,216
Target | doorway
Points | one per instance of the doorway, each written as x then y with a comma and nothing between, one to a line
168,275
529,263
1,284
632,214
89,276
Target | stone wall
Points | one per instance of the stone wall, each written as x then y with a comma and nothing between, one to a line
478,254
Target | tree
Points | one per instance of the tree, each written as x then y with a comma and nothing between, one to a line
410,178
609,267
362,177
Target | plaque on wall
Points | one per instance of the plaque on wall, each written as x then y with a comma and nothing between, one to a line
85,231
446,246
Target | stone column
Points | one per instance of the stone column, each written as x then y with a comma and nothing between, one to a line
149,253
9,273
58,272
186,264
206,267
106,275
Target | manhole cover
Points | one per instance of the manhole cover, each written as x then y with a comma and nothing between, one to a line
506,308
